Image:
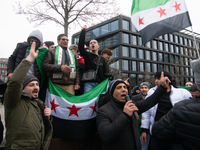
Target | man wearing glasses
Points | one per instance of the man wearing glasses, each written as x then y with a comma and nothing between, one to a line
62,65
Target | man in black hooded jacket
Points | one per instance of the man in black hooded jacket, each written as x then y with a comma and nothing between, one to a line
116,124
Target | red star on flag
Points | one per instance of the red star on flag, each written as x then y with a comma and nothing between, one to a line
162,12
94,107
140,20
53,105
177,6
73,110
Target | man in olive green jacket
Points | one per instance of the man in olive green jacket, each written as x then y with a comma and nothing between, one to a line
27,119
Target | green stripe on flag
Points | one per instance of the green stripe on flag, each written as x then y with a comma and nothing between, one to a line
95,92
140,5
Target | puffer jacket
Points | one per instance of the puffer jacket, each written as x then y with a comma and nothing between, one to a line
26,126
181,124
176,95
50,67
20,53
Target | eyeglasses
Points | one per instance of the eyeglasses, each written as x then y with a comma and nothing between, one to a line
65,39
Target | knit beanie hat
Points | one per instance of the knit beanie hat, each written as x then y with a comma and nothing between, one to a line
29,78
145,83
113,84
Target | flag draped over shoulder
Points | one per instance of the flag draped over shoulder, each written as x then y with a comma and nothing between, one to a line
74,116
153,18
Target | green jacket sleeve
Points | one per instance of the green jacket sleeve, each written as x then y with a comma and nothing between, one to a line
15,84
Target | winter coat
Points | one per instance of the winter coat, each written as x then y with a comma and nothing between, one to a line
181,124
49,66
91,61
20,53
117,130
26,126
176,95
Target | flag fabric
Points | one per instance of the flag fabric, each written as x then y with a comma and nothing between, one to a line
74,116
153,18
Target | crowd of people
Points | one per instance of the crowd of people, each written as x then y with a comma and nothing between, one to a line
168,115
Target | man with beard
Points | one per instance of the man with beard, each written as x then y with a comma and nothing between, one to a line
27,119
116,124
144,88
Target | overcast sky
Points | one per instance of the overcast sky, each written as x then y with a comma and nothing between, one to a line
15,28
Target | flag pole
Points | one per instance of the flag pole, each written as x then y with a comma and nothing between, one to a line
195,42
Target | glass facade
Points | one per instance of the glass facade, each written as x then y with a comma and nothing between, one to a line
170,52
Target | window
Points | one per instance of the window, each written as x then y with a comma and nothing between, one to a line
167,68
177,59
160,67
114,25
171,37
181,50
155,56
186,41
134,66
124,76
115,53
148,44
160,44
195,53
148,67
125,38
134,40
141,66
133,79
161,57
172,69
154,68
181,60
181,40
139,41
141,78
125,51
166,47
125,65
172,59
133,52
114,67
186,61
148,55
133,28
166,58
96,32
125,24
172,48
104,29
154,44
177,49
186,51
176,39
141,54
166,37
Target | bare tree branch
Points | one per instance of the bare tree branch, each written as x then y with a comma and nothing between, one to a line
67,12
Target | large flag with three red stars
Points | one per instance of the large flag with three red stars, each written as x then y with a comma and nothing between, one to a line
74,116
153,18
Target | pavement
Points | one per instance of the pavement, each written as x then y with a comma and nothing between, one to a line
3,121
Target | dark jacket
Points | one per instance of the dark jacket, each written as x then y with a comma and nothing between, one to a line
91,59
20,53
181,124
26,125
117,130
49,66
137,97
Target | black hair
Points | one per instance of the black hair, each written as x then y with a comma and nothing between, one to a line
61,35
194,88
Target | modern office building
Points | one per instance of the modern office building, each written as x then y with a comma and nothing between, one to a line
3,69
170,52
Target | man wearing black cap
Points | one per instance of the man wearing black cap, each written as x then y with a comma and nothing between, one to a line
116,124
27,119
166,103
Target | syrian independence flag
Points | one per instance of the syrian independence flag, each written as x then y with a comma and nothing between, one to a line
74,117
153,18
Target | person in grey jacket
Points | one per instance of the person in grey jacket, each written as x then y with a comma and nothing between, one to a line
27,119
116,124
